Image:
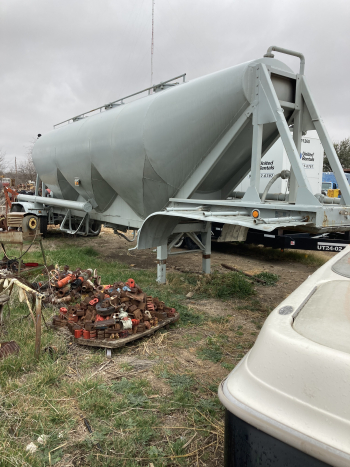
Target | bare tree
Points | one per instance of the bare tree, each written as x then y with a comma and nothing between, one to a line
29,147
3,163
343,151
26,171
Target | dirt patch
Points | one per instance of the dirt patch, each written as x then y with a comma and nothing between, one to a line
159,385
212,307
66,461
136,259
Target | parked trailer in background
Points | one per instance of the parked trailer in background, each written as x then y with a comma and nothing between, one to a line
166,164
329,181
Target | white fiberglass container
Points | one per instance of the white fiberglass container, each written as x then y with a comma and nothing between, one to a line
288,401
276,160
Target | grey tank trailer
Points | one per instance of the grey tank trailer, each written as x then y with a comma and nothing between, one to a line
167,164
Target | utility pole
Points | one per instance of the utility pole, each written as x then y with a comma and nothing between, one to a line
152,44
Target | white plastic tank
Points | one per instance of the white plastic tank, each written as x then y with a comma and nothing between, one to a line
288,401
276,160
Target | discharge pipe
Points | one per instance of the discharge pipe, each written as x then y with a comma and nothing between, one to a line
284,174
60,203
269,196
327,199
276,220
275,48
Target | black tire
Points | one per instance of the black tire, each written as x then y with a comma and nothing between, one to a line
95,229
43,226
189,243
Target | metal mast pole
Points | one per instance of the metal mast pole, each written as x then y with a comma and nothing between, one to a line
152,43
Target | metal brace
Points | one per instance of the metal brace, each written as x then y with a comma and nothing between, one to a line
70,230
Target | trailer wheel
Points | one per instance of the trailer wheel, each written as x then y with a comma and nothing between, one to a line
189,243
95,229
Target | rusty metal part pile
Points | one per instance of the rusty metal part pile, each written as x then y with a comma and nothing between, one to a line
95,311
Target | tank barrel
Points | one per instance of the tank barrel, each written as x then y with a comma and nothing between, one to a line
156,143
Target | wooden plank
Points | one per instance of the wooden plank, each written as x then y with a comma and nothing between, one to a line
9,237
115,343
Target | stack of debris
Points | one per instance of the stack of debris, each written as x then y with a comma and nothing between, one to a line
103,311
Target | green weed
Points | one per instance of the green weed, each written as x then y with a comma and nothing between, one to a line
228,366
181,381
211,352
89,251
268,277
225,286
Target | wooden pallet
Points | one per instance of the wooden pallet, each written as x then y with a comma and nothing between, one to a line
110,344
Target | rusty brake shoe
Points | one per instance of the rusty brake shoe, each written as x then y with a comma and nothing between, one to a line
103,310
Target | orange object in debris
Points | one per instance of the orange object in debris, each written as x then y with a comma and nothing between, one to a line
10,197
135,322
63,310
66,280
93,301
130,283
99,318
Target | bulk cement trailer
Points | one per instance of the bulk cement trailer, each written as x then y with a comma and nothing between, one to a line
166,163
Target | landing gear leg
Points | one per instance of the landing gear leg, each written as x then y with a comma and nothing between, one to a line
162,255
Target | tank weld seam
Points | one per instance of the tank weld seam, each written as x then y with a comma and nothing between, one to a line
166,183
143,131
147,178
62,179
216,141
145,150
